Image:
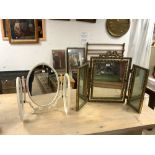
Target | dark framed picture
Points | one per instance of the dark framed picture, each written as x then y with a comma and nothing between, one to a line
22,30
75,58
87,20
41,29
59,60
4,29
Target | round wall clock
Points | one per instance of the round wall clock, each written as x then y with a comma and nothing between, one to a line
117,27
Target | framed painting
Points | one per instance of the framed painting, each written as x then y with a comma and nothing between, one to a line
75,58
59,60
4,29
87,20
41,29
22,31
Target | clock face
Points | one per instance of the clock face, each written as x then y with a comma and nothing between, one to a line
117,27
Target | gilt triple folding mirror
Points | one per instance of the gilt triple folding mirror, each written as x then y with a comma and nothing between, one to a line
111,80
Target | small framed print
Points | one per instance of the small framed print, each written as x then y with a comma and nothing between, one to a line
22,31
4,29
59,60
41,29
75,58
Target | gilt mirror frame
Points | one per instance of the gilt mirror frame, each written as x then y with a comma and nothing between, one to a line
84,95
131,87
27,85
94,61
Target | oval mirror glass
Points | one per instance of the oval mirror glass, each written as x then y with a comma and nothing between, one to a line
42,84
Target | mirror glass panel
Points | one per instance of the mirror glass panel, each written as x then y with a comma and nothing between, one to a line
109,78
82,86
43,85
137,87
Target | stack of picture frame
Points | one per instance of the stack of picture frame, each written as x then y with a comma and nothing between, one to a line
69,60
73,57
19,31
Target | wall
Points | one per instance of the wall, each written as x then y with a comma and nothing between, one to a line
59,35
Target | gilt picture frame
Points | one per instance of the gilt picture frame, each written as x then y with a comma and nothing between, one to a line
4,29
41,29
22,31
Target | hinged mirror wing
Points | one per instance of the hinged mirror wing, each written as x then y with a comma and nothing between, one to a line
137,85
109,79
82,86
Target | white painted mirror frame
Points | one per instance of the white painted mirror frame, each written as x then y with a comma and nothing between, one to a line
66,93
20,98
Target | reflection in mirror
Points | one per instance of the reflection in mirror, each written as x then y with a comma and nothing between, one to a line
20,98
137,86
82,86
75,58
43,85
109,79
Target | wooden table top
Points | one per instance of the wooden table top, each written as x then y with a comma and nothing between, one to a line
93,118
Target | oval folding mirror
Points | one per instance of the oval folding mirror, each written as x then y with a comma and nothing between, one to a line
43,85
20,99
66,93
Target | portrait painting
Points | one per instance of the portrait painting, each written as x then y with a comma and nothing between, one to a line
22,30
59,60
41,29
